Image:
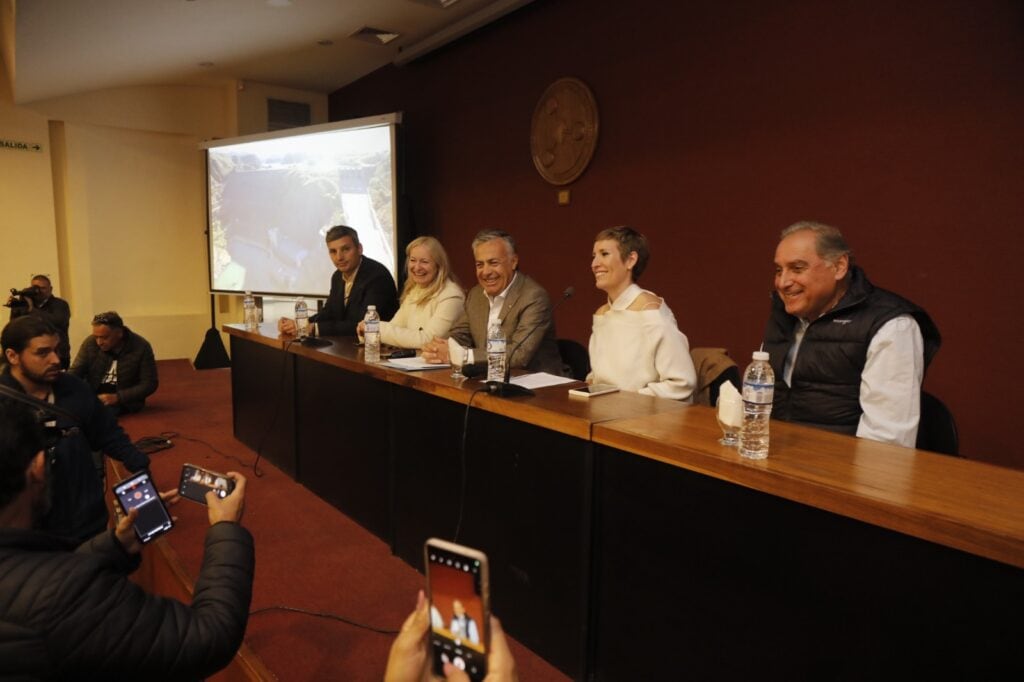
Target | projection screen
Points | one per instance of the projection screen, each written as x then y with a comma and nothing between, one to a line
272,197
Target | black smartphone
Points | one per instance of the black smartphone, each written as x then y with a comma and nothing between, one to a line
458,587
138,492
196,482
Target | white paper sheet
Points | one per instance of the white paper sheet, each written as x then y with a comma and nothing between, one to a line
415,364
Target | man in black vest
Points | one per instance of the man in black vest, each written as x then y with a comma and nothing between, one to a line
847,356
358,283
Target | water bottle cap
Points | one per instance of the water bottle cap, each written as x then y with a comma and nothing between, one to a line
761,355
371,307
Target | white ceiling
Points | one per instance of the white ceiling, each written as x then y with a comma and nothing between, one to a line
62,47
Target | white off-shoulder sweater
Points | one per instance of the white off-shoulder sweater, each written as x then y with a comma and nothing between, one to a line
641,350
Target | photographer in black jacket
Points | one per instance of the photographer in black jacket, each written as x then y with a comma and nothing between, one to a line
73,614
38,299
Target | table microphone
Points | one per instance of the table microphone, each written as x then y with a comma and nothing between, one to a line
473,370
313,341
507,389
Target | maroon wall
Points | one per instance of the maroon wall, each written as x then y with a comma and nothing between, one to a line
723,122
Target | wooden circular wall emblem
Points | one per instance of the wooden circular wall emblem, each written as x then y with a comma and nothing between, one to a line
563,134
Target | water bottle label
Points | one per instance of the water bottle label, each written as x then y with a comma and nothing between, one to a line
372,326
762,394
495,345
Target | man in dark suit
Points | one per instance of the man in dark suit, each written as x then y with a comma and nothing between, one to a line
503,293
359,283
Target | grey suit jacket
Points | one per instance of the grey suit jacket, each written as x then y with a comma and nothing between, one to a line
526,308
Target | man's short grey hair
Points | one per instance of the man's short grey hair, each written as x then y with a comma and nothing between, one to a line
828,240
487,235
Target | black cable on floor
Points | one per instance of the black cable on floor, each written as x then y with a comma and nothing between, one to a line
321,614
169,436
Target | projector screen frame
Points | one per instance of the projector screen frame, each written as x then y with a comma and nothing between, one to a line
398,238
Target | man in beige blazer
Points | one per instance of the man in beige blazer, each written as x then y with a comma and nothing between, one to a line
503,293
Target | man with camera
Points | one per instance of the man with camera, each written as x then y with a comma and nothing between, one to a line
74,614
117,363
38,299
85,426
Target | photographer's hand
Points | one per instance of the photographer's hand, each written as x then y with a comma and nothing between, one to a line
231,507
409,660
124,531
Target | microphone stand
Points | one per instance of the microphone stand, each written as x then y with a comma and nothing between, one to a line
505,388
312,340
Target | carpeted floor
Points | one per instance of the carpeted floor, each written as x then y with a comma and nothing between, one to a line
308,555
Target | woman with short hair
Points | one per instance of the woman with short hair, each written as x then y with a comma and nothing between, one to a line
635,343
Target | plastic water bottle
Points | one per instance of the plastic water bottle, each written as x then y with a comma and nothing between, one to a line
301,318
496,353
371,335
758,393
250,317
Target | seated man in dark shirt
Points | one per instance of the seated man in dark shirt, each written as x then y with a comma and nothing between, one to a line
359,283
117,363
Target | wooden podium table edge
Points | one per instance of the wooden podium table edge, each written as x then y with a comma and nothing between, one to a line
971,506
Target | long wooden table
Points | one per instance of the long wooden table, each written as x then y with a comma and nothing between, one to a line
627,544
386,448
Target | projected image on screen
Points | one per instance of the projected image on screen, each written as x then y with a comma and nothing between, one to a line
273,200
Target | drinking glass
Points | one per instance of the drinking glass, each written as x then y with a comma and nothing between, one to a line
730,433
457,369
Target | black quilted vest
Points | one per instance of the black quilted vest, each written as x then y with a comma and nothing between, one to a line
825,389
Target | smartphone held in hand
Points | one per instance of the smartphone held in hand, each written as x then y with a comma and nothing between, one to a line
196,482
138,492
458,588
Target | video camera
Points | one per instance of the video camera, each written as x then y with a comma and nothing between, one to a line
19,297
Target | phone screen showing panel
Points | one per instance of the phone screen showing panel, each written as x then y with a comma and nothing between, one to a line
138,492
197,481
457,612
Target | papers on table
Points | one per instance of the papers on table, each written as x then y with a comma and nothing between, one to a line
531,381
413,364
539,380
